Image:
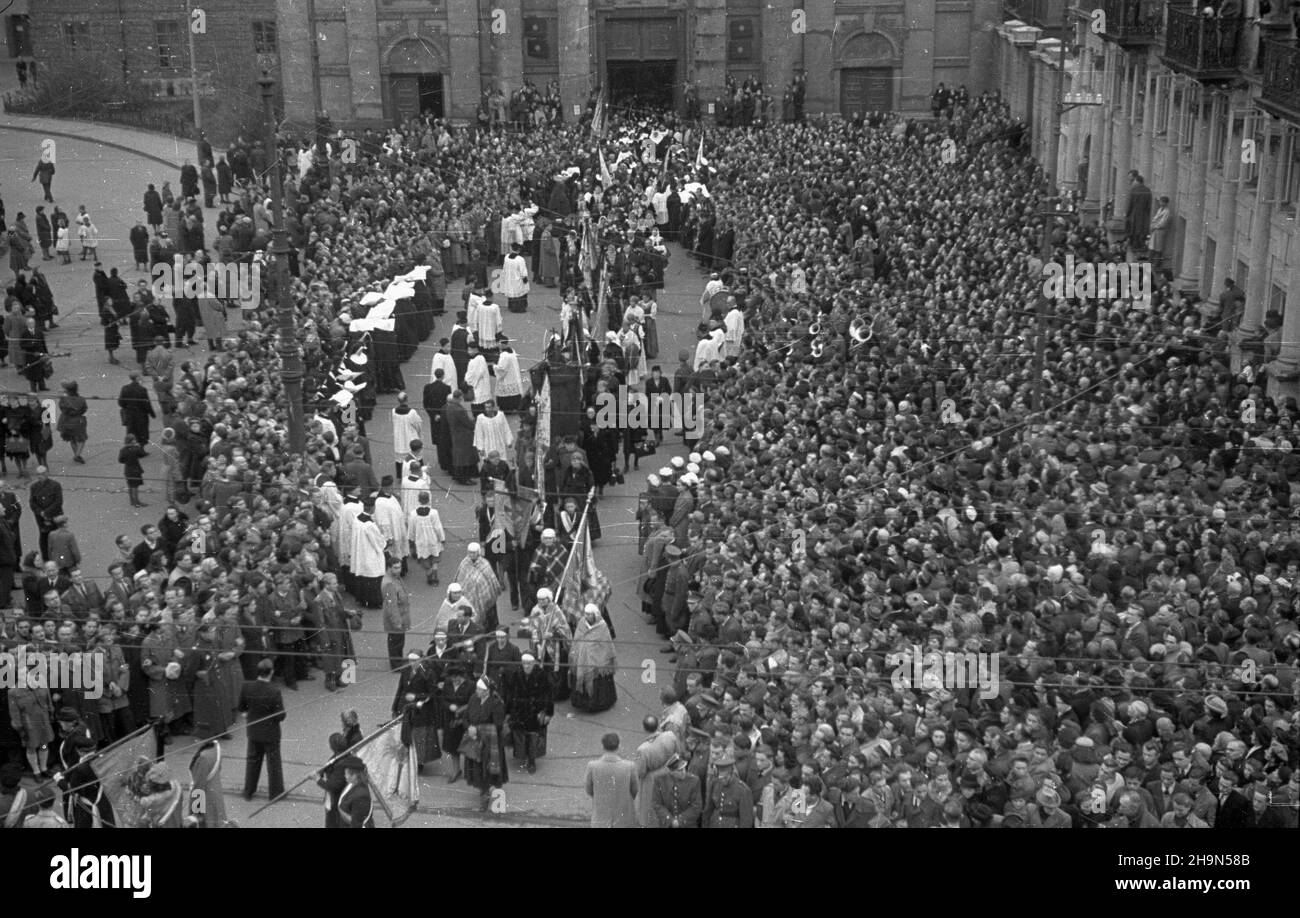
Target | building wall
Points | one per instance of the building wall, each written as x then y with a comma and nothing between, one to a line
1230,218
923,43
338,55
125,36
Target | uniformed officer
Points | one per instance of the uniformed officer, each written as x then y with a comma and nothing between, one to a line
730,804
677,801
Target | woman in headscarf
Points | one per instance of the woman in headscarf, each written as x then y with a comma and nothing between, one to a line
485,719
351,722
416,703
160,799
594,661
172,474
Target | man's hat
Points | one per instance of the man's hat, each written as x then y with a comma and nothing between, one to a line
352,763
727,758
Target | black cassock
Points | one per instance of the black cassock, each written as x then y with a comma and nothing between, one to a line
385,361
406,328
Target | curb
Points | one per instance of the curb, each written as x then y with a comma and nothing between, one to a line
107,143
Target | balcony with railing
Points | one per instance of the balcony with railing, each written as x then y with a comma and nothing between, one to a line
1132,23
1048,15
1205,48
1280,93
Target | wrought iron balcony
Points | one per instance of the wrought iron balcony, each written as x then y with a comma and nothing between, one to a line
1048,15
1281,91
1132,23
1207,49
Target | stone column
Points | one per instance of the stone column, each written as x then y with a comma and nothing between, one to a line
1123,160
296,43
1099,168
363,59
819,57
1227,241
1257,283
1173,142
463,51
507,46
1189,273
1111,138
1286,369
1147,150
781,47
575,26
1074,122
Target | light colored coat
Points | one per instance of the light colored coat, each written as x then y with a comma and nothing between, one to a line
651,760
612,786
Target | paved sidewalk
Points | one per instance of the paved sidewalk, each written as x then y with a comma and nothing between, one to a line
161,148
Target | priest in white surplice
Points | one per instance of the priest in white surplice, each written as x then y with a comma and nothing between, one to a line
368,562
443,361
415,483
408,425
510,386
426,535
483,318
392,521
709,348
735,331
479,376
492,432
348,514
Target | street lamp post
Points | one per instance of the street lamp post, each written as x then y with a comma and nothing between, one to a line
1053,208
194,82
291,368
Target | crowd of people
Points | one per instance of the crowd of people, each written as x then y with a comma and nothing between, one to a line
875,487
872,483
